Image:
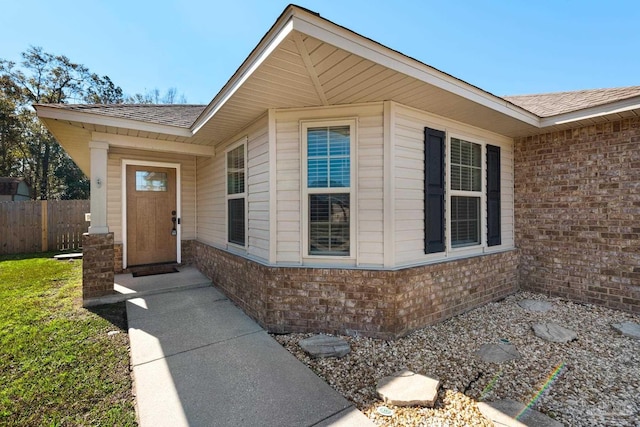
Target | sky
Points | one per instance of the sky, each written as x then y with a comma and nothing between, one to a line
506,47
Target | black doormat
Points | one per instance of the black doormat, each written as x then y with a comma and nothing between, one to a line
152,271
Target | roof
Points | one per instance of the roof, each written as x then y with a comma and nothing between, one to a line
306,61
552,104
9,186
178,115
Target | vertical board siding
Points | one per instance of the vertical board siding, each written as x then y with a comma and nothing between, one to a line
22,229
114,188
211,194
369,180
409,183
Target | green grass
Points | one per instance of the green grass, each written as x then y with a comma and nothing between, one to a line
58,364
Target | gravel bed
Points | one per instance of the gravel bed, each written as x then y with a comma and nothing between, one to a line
597,379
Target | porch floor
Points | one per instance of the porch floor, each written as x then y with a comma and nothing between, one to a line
187,277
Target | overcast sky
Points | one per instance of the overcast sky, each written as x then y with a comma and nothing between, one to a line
507,47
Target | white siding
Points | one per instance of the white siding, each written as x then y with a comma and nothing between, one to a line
211,184
114,188
369,221
408,192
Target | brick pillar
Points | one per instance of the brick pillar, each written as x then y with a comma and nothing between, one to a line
97,265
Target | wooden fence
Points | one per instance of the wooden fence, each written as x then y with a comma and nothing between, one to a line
39,226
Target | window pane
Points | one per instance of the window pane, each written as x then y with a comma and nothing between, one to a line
235,171
466,165
151,181
317,173
328,157
340,172
236,221
329,224
465,221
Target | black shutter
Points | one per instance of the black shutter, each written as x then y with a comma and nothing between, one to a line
433,190
494,235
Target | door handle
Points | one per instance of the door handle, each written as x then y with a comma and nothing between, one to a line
174,232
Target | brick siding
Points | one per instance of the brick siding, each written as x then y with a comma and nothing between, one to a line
384,304
97,265
577,213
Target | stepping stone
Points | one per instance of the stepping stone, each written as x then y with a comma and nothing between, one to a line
505,413
554,332
535,305
325,346
629,329
497,353
406,388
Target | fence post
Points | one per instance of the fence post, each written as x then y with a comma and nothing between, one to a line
45,224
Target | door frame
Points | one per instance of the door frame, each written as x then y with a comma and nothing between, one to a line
132,162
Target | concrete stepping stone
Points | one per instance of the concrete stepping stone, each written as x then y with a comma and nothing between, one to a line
406,388
325,346
629,329
553,332
505,413
497,353
535,305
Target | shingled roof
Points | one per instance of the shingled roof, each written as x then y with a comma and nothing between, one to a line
551,104
179,115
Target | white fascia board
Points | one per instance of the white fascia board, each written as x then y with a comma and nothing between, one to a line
138,143
368,49
251,64
593,112
97,119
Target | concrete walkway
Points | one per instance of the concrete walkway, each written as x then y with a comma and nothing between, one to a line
198,360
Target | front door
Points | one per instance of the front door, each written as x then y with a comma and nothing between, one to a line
151,215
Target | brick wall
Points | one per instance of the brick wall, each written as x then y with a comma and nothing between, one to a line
117,258
382,304
577,213
97,265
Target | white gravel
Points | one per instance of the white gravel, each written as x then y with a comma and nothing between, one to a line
596,381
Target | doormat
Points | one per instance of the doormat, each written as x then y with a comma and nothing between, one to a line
152,271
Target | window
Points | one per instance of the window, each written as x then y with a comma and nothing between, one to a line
471,182
236,195
328,189
151,181
466,192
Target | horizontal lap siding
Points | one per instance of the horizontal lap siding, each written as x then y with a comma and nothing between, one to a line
370,218
409,181
288,204
212,226
369,189
114,188
258,191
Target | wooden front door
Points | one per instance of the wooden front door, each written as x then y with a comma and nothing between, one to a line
151,208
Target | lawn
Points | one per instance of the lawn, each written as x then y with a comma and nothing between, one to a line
60,364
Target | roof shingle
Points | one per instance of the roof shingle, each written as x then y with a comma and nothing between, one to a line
551,104
179,115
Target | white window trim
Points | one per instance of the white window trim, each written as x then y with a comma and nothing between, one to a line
353,203
466,249
245,142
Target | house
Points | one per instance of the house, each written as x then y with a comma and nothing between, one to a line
14,190
336,185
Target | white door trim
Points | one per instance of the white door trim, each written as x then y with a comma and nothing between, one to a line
131,162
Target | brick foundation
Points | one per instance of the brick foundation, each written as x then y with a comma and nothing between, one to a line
577,210
117,258
97,265
186,252
384,304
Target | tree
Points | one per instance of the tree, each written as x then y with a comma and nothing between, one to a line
153,97
27,149
25,143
